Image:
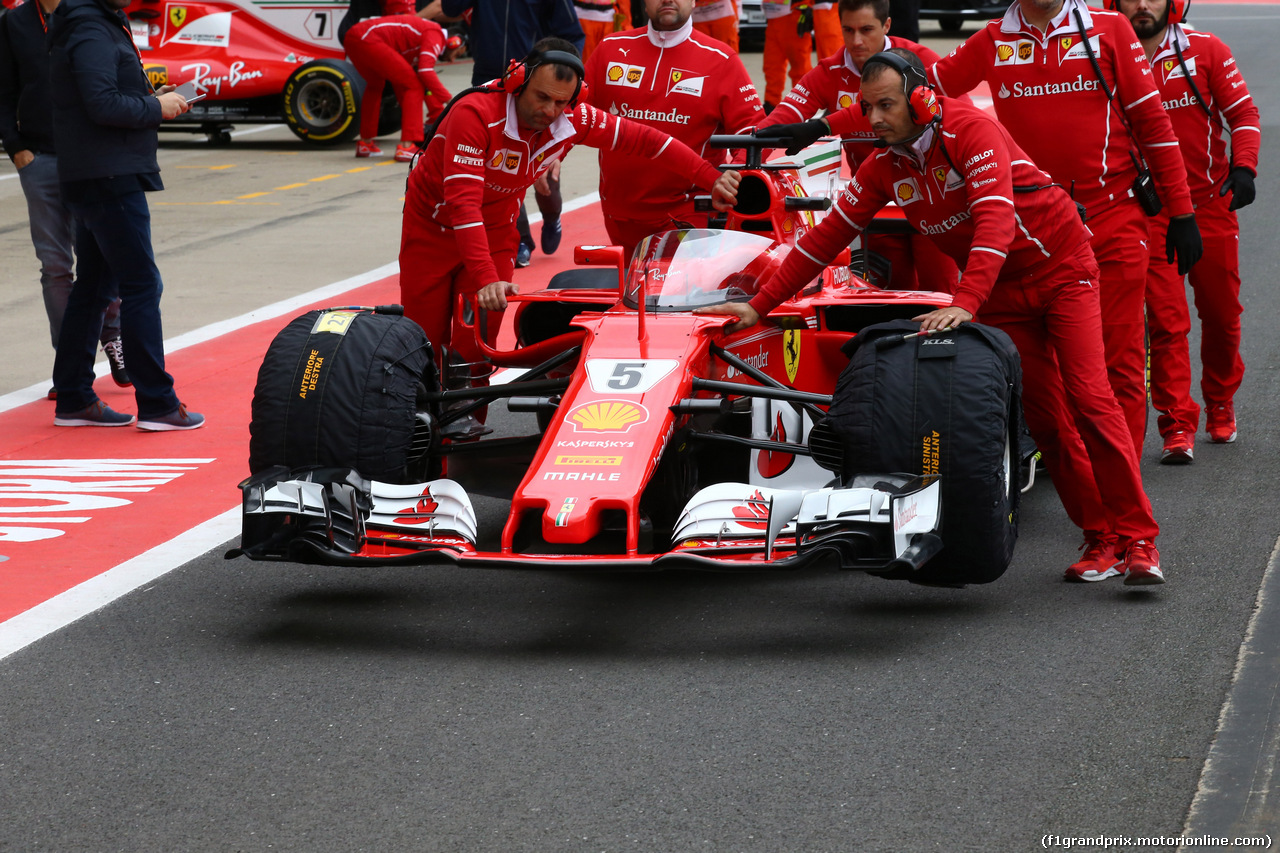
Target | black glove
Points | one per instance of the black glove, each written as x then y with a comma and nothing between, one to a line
1182,243
802,134
1240,184
804,22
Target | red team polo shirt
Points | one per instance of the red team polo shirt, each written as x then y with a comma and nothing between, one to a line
1213,70
418,40
1048,95
683,83
478,167
833,86
953,184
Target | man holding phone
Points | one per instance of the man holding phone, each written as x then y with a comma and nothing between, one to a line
105,118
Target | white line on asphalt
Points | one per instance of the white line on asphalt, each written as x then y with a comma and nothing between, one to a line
81,600
253,130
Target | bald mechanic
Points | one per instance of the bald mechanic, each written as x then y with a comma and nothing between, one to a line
1075,90
463,196
1028,270
833,87
1204,93
676,80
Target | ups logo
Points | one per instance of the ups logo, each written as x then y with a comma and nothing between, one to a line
158,75
1024,50
513,161
633,75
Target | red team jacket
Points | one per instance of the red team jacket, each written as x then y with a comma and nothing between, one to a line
683,83
1048,95
833,86
479,165
419,41
1213,70
955,184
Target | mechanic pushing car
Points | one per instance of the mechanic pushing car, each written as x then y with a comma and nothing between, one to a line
833,85
1200,86
489,147
1055,67
402,49
681,82
1028,269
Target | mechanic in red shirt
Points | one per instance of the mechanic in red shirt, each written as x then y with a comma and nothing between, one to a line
678,81
402,49
832,86
1044,79
464,194
1201,86
1028,269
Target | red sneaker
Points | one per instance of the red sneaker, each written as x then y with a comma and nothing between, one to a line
405,152
1142,564
1179,448
1220,422
367,148
1099,562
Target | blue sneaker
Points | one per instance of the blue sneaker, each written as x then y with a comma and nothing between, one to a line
523,255
179,418
551,234
98,414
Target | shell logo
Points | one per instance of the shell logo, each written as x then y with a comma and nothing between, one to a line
906,192
607,416
845,100
1004,52
497,159
788,225
615,73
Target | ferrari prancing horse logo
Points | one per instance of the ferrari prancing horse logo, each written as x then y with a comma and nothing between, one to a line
177,16
791,353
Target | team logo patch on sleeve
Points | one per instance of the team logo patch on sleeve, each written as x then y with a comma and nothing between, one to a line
621,74
506,160
1020,52
844,100
905,192
682,84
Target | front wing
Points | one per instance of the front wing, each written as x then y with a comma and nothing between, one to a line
333,516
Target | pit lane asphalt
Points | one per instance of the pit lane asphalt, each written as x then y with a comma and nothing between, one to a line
240,706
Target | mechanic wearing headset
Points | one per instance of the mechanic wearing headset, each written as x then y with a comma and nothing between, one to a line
463,196
832,86
1200,86
675,80
402,49
1087,111
1028,270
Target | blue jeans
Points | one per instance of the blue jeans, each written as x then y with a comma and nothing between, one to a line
113,245
53,235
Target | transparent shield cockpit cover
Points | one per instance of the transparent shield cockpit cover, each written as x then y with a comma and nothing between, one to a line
680,270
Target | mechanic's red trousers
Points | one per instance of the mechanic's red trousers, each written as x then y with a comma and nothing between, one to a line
1054,317
917,262
1120,246
1215,284
783,47
379,63
432,275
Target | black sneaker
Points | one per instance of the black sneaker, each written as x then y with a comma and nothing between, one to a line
98,414
551,234
115,358
180,418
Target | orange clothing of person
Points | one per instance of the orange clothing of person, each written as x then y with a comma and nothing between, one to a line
784,46
718,19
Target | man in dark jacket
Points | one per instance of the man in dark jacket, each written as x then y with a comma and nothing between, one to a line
26,126
105,116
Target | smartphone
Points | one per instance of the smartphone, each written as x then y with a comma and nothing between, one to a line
188,91
195,98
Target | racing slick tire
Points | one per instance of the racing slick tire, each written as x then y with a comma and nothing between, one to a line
322,101
947,405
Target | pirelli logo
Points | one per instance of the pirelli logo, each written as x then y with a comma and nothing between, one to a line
589,461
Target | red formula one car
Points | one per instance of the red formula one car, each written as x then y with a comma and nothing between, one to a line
661,441
255,61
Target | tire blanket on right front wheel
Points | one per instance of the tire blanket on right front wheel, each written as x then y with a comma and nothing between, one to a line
946,405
